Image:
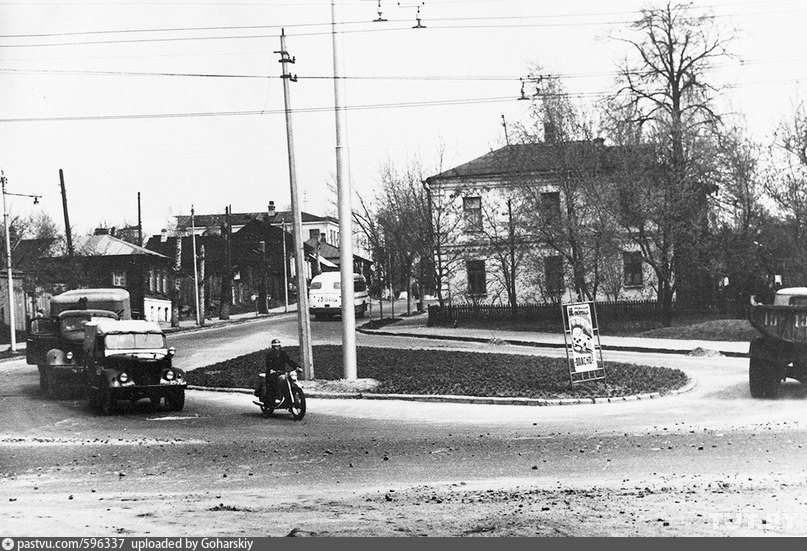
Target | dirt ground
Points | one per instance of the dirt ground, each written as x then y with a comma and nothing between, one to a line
685,506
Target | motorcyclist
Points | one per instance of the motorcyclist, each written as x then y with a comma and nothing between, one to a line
276,361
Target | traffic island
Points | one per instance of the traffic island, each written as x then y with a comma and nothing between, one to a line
441,375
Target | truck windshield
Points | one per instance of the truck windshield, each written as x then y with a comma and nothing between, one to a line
135,341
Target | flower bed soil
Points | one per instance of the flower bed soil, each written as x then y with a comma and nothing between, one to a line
453,373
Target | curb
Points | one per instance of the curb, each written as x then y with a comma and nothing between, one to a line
616,347
456,399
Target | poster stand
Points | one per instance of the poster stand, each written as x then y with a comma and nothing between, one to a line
581,334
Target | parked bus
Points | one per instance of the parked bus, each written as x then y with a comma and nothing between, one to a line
325,295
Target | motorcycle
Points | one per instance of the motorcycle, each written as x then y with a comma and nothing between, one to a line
292,397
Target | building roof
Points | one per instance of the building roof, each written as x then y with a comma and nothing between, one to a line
106,245
519,159
242,218
329,252
27,252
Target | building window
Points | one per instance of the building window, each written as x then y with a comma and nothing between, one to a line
152,280
472,210
119,278
550,207
313,234
477,282
553,273
632,268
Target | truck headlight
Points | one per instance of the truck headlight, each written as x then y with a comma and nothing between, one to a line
123,377
69,356
169,375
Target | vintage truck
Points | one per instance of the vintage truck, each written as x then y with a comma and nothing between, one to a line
130,360
781,351
54,343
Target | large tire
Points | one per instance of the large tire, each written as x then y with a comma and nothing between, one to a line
297,407
175,400
50,386
109,404
771,381
43,382
756,377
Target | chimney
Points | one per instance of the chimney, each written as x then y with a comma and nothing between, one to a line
550,132
163,235
101,231
271,208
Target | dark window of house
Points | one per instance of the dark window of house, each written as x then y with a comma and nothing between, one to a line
472,209
550,206
553,273
477,282
632,268
313,234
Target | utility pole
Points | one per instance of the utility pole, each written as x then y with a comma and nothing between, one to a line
303,321
285,273
12,307
226,291
345,211
139,222
195,271
67,232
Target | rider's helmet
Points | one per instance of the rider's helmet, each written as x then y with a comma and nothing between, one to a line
275,343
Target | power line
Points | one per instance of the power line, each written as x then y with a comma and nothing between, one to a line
434,23
365,107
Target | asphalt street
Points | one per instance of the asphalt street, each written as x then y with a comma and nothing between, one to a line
710,461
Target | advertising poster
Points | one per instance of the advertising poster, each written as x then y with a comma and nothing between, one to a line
582,342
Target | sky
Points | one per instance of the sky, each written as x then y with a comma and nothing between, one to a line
182,100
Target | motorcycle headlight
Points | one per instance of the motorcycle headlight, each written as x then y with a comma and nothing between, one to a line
293,375
69,356
169,375
123,377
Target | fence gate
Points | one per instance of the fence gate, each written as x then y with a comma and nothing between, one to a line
581,334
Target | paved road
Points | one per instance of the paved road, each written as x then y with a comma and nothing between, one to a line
701,463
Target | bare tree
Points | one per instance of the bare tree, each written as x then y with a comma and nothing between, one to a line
786,183
568,218
665,91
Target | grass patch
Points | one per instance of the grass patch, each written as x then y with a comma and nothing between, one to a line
715,330
453,373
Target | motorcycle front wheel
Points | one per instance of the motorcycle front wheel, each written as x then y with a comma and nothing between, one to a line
297,408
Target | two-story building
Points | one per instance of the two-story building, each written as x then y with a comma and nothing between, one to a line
313,226
519,219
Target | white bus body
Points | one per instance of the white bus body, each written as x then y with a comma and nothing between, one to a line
325,295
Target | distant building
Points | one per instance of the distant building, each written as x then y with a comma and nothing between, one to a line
101,260
211,224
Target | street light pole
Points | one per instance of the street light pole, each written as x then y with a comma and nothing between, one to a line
12,314
345,213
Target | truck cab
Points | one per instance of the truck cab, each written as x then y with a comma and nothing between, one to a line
780,352
53,343
130,360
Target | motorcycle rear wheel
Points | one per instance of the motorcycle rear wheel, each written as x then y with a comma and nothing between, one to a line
297,407
267,407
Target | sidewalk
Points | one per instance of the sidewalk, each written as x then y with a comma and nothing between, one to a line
415,326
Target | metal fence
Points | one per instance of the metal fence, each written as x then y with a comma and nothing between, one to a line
625,315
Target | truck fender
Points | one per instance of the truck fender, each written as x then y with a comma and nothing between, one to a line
771,350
